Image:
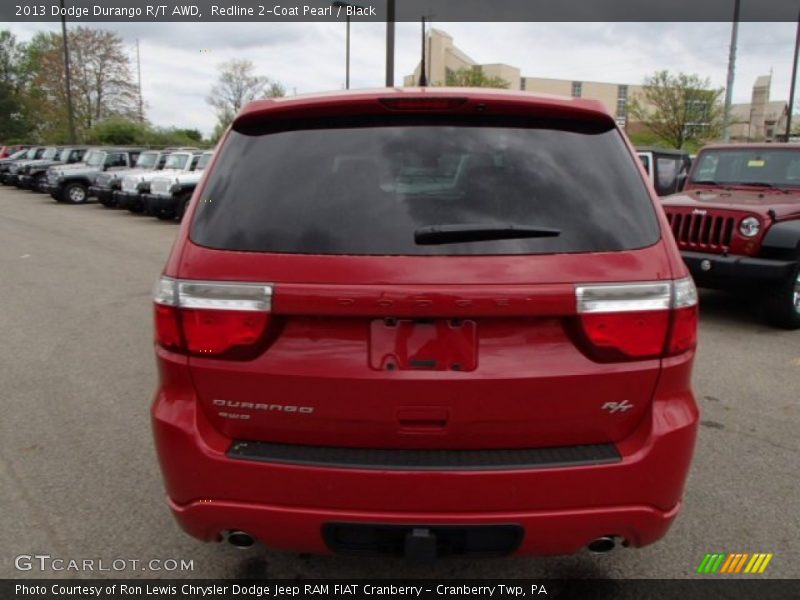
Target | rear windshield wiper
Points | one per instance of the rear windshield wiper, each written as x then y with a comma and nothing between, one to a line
477,232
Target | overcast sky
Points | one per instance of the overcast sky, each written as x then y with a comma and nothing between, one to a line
180,60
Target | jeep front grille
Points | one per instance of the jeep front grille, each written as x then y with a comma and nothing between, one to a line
701,231
129,184
104,180
160,186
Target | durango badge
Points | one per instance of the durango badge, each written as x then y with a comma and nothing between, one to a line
287,408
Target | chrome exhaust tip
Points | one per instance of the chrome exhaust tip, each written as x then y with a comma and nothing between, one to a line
241,540
602,545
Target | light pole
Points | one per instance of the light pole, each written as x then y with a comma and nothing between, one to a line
139,81
70,115
389,43
726,115
794,80
342,4
423,78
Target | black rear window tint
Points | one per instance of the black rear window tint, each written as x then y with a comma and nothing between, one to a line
365,187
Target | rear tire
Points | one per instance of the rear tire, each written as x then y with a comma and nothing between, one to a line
75,193
782,304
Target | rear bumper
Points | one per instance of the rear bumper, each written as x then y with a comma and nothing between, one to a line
546,532
719,271
561,508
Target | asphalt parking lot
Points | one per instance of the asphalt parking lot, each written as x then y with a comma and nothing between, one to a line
78,474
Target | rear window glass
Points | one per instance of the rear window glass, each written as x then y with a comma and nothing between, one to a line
366,188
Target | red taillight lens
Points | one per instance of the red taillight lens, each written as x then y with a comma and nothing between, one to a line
639,320
684,330
211,318
218,331
168,333
632,334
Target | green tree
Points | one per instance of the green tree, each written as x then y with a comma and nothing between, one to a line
681,110
191,134
237,85
122,130
10,54
117,130
795,124
101,81
474,77
14,122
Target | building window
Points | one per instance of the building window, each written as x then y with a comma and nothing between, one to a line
522,83
577,89
622,102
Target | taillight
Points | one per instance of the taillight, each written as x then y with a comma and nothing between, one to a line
211,318
683,336
638,320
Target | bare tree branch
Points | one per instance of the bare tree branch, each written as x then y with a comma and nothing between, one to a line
238,85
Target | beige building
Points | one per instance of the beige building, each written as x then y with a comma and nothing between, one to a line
759,120
614,96
442,57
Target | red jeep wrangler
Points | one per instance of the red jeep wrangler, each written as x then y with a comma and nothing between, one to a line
737,224
424,322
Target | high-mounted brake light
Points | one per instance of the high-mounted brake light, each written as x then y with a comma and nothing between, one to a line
638,320
423,103
210,318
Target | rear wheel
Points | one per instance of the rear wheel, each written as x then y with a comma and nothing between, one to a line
165,215
782,304
75,193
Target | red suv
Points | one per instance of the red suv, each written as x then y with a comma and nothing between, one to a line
425,322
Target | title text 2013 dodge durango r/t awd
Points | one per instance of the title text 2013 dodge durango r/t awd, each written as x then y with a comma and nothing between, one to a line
425,322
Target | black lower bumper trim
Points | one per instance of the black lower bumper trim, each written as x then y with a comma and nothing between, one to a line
103,194
128,199
717,270
425,460
157,203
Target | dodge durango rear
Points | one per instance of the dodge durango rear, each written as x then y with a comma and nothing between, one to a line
421,323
